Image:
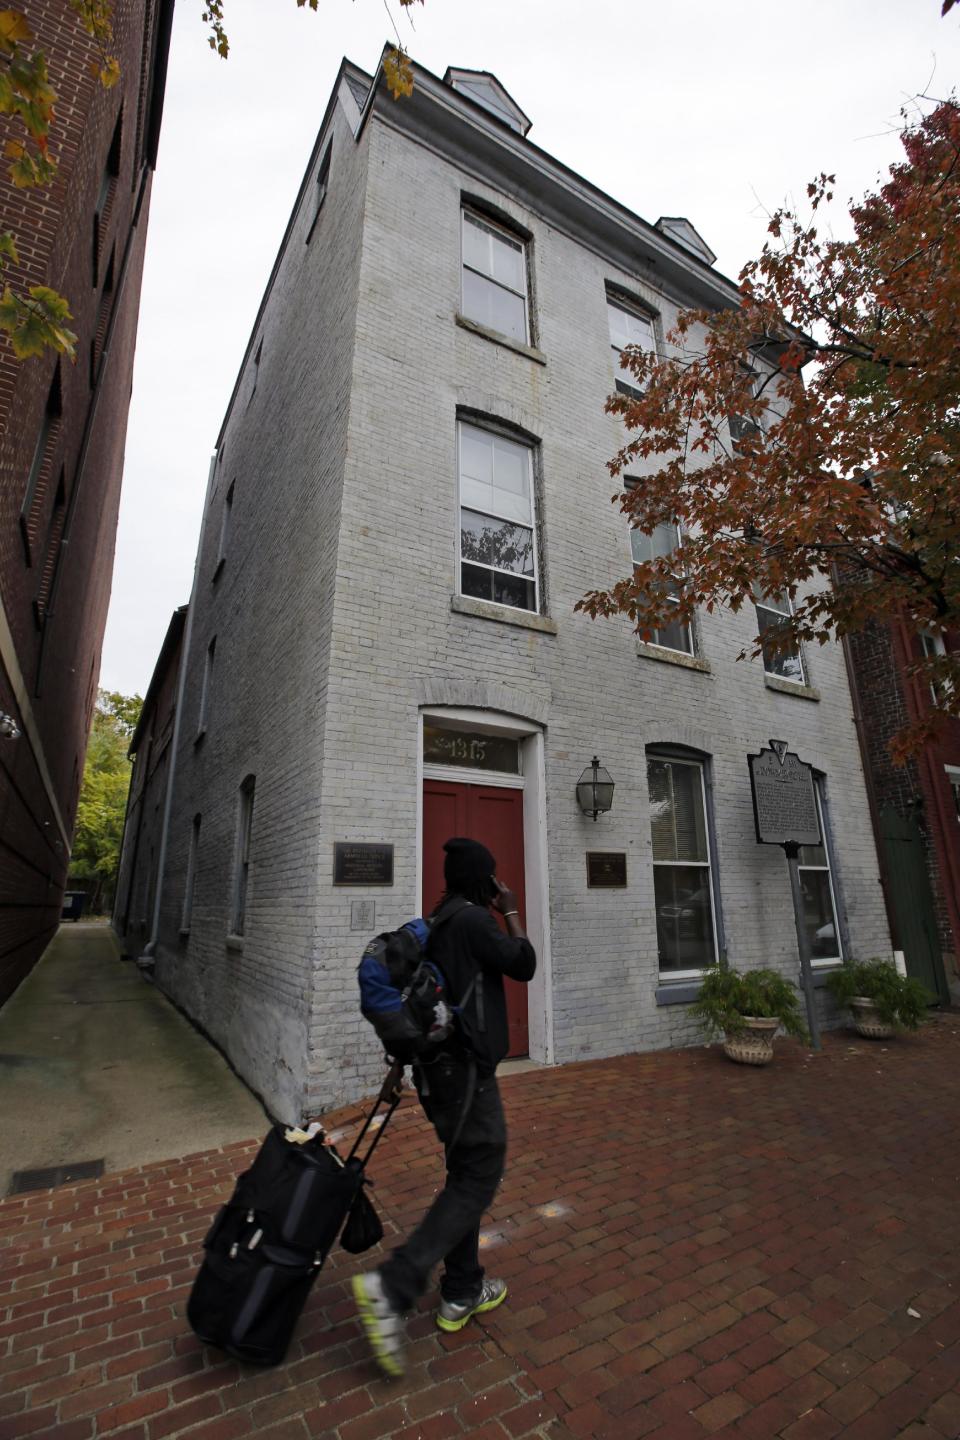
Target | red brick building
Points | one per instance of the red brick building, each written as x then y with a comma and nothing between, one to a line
916,807
62,432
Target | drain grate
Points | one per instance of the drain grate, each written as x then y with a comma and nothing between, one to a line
53,1175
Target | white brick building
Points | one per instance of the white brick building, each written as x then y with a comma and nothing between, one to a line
408,498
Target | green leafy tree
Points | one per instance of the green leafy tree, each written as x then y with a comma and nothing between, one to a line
103,795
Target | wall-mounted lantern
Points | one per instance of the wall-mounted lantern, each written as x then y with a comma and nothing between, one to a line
9,727
595,790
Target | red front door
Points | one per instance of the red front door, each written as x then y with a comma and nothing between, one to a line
493,815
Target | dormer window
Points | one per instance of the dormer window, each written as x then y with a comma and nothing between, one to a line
485,89
678,228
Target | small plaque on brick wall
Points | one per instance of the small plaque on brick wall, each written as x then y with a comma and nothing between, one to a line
357,863
606,870
363,915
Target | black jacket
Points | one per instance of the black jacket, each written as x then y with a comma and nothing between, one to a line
470,943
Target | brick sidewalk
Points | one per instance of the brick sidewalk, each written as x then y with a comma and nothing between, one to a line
693,1248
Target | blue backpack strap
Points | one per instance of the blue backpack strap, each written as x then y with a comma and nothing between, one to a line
419,929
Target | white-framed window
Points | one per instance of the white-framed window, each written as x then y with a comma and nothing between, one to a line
205,688
682,873
932,646
498,543
953,779
772,611
494,277
819,898
665,540
454,744
741,425
241,874
191,876
628,326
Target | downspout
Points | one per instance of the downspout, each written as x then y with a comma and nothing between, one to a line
937,858
132,867
858,725
147,960
942,855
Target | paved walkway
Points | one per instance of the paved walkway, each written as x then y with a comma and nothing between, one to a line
95,1064
693,1249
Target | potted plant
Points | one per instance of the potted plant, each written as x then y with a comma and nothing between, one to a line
748,1008
881,1000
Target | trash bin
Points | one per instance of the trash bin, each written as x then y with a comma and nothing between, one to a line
73,902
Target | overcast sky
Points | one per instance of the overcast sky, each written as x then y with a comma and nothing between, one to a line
714,109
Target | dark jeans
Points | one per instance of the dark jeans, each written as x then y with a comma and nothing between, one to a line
450,1230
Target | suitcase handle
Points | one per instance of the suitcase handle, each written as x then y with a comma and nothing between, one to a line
391,1093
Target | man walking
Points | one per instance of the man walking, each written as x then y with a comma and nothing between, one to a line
458,1091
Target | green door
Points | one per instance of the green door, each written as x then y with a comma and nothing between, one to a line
912,902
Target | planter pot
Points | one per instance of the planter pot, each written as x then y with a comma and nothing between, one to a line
866,1019
753,1045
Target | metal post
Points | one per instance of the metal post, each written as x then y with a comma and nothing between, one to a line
806,970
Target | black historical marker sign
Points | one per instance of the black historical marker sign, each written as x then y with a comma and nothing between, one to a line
606,870
357,863
784,797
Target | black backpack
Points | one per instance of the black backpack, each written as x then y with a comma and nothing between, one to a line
403,994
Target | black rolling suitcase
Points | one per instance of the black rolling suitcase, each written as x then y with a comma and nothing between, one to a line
268,1243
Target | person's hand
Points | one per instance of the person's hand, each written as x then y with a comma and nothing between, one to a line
504,899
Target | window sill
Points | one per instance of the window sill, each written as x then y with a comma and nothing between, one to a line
646,651
184,932
790,687
234,942
822,970
677,992
531,352
488,610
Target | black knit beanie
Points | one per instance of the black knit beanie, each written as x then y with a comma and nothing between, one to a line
467,868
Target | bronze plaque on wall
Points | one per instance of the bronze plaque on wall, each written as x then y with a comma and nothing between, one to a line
606,870
357,863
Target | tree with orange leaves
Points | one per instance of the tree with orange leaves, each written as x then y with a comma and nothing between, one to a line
807,442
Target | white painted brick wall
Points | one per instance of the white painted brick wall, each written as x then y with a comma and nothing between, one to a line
270,610
330,616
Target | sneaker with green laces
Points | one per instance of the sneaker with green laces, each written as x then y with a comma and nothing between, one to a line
454,1314
383,1324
